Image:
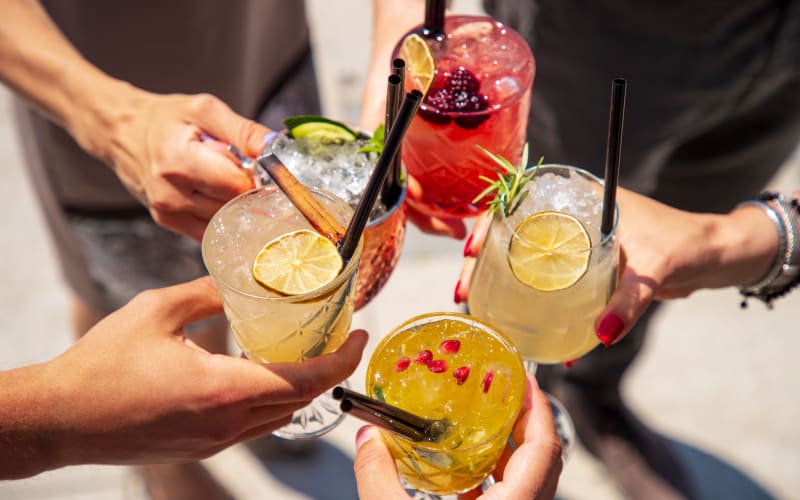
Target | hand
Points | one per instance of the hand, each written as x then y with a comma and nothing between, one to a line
668,253
530,471
472,248
156,150
135,390
442,226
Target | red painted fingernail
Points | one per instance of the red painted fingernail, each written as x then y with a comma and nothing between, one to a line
609,329
456,295
467,250
569,363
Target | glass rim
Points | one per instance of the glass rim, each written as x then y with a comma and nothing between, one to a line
524,86
464,318
349,270
604,240
363,134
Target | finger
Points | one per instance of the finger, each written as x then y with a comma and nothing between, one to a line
215,174
181,222
454,228
475,241
225,125
307,380
631,298
185,303
374,467
464,279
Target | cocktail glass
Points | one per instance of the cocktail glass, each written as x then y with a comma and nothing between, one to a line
455,367
344,171
553,326
480,95
547,326
267,326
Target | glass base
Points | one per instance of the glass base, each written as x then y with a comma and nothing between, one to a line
317,418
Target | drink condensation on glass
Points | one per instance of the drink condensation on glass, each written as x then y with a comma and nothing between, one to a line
344,171
547,326
480,95
270,327
449,366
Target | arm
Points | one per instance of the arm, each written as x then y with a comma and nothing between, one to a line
667,253
390,21
135,390
151,141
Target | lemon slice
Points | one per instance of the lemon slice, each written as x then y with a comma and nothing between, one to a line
552,252
419,61
297,262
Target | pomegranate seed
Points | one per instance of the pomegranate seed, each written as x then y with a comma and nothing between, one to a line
450,346
487,381
437,366
424,357
461,374
402,364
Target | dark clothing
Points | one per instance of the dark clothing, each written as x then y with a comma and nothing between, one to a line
712,112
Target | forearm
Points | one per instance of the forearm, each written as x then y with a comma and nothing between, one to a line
390,21
42,66
745,242
27,427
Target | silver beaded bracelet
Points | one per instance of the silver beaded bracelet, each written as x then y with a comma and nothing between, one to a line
785,272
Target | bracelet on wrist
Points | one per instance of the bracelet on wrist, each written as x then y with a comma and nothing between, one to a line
784,275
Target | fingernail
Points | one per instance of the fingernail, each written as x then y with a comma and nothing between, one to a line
569,363
609,329
365,434
269,136
457,295
467,245
207,137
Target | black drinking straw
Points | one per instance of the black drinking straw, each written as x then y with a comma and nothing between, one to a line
390,417
399,69
434,18
359,221
394,91
616,114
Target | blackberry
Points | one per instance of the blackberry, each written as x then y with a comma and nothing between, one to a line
456,92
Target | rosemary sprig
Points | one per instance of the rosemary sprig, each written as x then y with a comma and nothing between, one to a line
507,188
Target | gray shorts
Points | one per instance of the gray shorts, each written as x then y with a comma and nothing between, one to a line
125,255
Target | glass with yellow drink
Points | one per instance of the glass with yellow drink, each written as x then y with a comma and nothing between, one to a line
285,295
545,271
449,366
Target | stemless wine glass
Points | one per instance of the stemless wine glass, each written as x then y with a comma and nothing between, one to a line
270,327
344,171
449,366
544,297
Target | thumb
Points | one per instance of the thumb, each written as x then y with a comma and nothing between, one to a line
221,122
375,470
188,302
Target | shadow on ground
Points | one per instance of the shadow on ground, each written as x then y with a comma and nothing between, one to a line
713,478
314,468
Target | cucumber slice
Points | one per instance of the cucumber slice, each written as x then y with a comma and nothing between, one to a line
319,128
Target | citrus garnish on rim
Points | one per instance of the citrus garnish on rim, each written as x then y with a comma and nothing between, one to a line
551,251
296,263
418,57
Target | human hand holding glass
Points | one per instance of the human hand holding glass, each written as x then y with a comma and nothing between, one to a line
530,468
465,380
